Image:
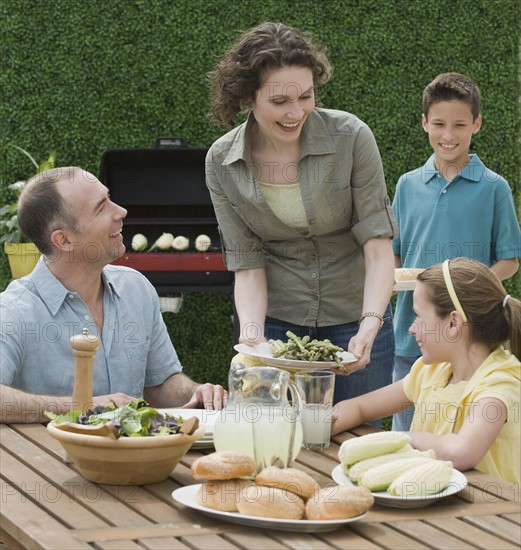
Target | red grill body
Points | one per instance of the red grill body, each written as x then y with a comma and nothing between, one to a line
164,190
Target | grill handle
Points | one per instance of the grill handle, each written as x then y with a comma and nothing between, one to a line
170,142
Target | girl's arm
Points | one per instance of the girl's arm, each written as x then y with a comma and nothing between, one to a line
466,448
251,302
370,406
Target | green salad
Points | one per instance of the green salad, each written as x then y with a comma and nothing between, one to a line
135,419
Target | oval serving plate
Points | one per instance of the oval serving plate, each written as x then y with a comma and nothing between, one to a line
457,483
188,496
263,353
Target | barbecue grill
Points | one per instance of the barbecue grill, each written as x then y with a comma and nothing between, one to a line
164,190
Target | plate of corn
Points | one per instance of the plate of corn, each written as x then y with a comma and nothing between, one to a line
397,475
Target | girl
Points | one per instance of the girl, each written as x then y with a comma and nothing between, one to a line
466,387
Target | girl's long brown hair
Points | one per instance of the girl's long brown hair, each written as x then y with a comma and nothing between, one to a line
482,296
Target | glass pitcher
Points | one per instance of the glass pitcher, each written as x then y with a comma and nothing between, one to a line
258,419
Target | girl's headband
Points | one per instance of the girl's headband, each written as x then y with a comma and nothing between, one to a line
452,292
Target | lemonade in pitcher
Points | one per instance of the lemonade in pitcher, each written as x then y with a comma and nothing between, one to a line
258,418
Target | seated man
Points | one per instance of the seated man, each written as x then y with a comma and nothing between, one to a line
68,214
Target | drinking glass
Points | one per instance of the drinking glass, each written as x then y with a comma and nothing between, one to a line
316,390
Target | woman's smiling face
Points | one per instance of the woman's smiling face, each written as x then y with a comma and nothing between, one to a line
284,102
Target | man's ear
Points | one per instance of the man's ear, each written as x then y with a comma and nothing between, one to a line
60,239
477,124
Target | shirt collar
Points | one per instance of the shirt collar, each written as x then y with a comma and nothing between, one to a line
52,291
240,149
315,139
472,172
110,282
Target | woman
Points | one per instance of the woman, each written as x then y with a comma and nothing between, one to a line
300,197
466,386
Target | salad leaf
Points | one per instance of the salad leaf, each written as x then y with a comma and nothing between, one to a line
135,419
71,416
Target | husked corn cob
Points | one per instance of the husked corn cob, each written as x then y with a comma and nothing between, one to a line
425,479
359,468
367,446
380,477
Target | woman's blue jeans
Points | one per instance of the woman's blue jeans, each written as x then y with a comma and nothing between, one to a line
376,374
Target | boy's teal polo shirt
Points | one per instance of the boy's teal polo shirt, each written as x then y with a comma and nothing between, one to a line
473,216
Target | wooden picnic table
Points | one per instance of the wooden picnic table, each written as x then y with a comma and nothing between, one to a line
45,503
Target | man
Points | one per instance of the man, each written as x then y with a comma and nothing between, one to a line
68,214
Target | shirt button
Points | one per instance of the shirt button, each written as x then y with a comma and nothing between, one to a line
315,297
311,222
444,191
313,275
86,317
71,297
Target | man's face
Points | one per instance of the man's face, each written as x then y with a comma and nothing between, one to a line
98,238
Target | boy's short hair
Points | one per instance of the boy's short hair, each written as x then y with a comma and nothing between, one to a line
452,87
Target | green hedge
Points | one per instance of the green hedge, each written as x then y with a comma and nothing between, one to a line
80,77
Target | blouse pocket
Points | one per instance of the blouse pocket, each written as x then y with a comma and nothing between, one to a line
250,216
340,203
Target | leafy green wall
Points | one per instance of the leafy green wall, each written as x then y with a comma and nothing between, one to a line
83,76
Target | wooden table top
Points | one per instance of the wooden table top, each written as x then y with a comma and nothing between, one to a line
45,503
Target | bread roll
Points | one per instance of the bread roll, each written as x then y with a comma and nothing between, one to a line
223,465
270,502
289,479
338,502
222,495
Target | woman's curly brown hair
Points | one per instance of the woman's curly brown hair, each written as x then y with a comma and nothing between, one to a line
240,72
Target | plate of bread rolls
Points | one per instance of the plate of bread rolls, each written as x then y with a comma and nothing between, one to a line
284,499
405,278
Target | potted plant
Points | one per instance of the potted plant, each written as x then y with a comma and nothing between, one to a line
21,253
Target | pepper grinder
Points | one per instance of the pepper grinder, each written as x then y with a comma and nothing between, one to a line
84,348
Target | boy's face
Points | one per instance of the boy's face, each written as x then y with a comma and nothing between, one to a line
450,126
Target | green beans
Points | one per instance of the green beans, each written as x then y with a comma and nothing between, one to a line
305,349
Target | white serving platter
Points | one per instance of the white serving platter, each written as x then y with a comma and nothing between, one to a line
263,353
457,483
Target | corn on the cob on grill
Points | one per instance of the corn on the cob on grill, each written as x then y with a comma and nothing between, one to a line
424,479
367,446
380,477
359,468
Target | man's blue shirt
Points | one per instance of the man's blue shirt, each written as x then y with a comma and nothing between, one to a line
38,315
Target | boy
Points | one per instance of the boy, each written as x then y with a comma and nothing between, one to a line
452,206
